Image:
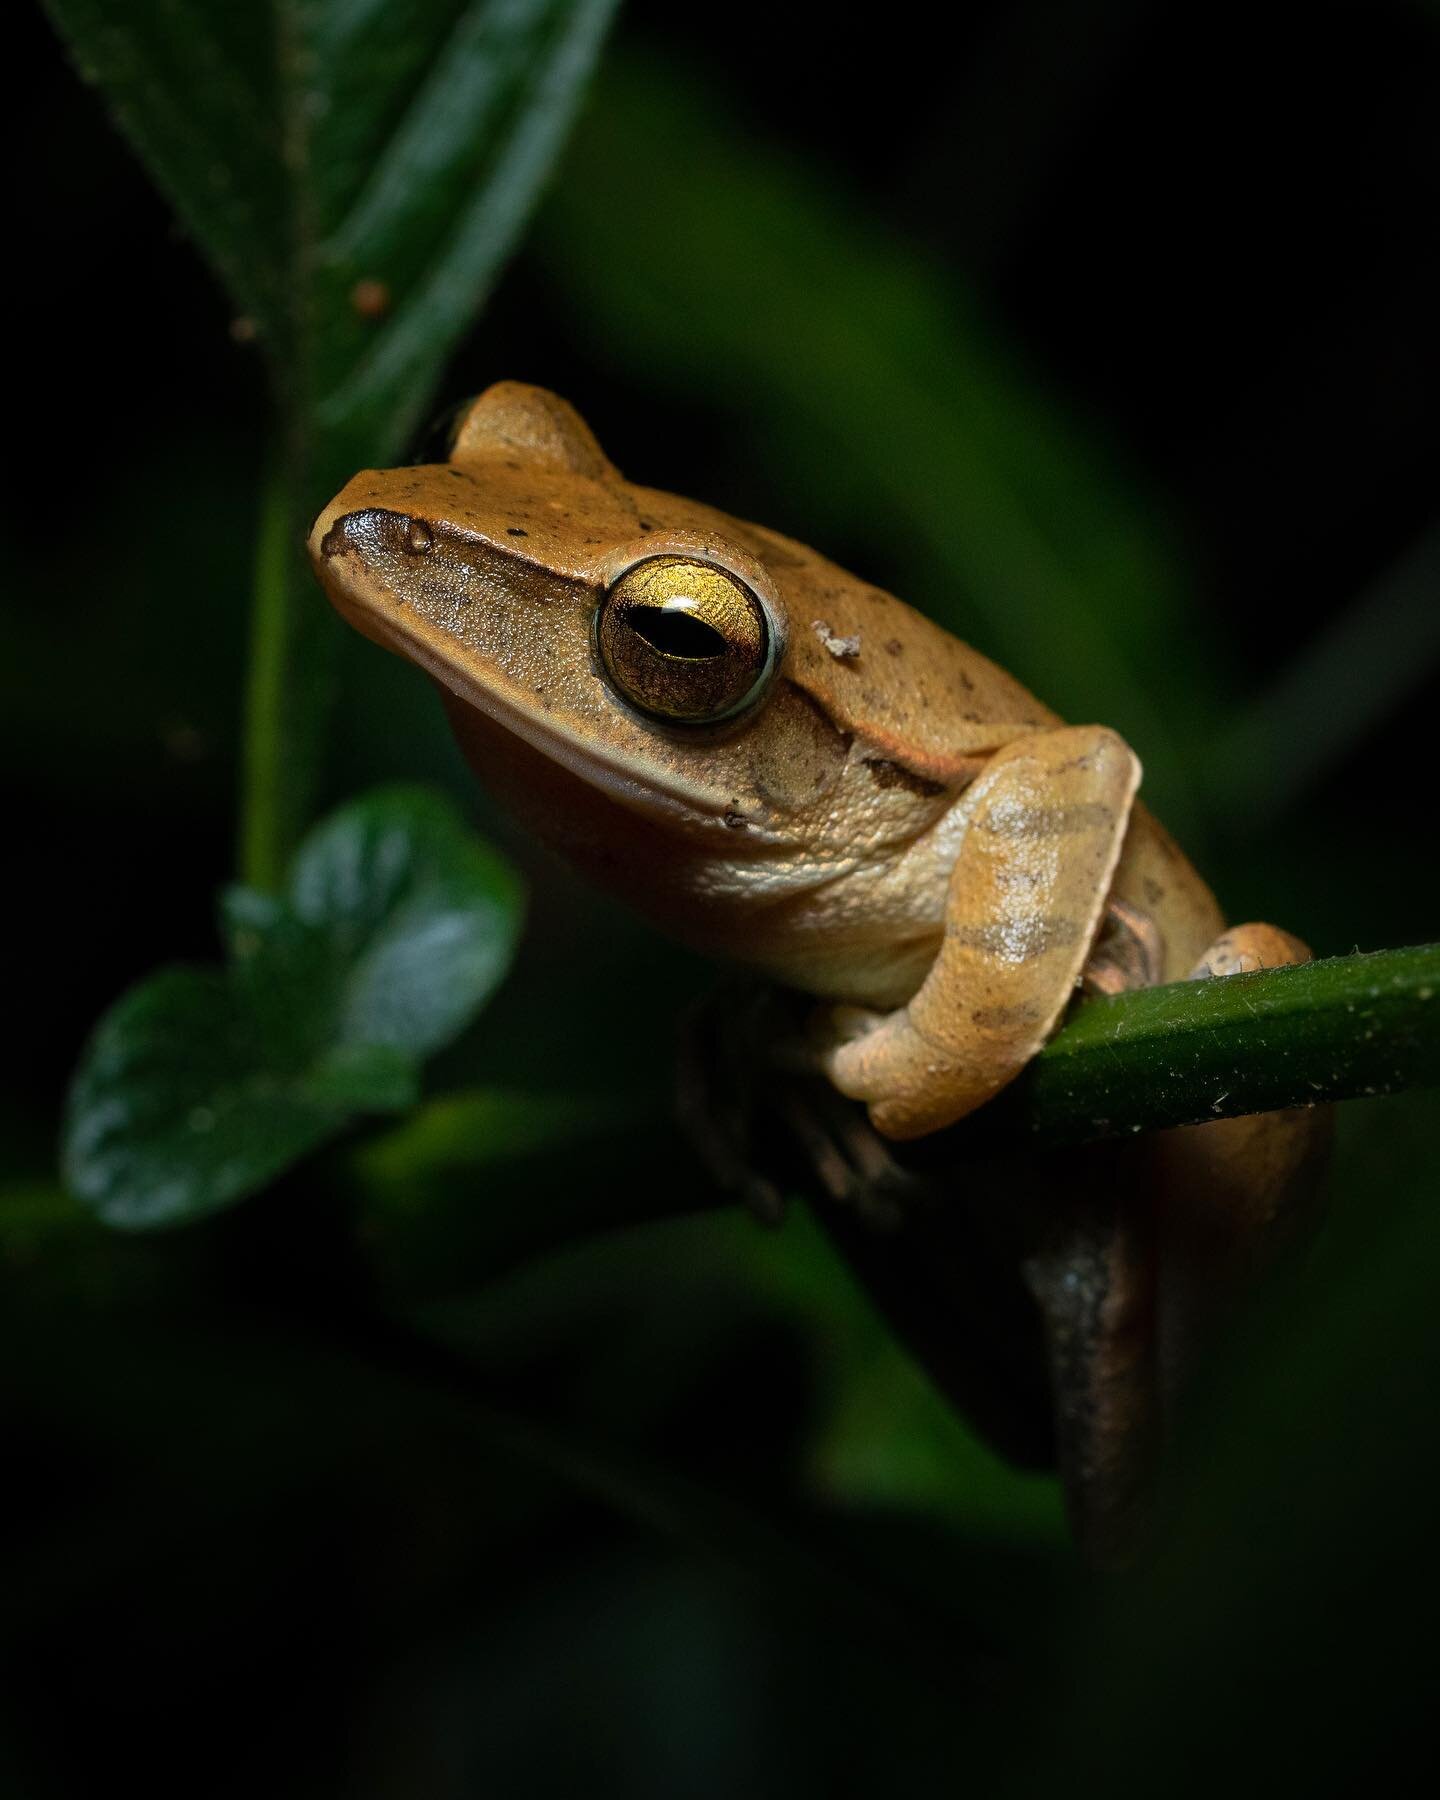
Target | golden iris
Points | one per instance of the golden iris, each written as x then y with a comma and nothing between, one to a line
684,640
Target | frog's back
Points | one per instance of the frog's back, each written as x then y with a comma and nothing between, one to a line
881,669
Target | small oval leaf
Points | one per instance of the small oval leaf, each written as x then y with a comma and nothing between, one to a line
424,916
174,1113
199,1086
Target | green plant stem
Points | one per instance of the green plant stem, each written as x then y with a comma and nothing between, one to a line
290,685
1199,1050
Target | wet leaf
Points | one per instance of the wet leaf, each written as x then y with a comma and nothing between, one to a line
201,1085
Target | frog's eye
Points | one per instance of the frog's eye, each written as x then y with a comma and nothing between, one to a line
684,640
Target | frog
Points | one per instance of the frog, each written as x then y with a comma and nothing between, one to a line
789,769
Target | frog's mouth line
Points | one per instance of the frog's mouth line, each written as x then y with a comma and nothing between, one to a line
615,775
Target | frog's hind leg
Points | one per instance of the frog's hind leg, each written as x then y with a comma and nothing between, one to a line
1046,823
1234,1195
1154,1244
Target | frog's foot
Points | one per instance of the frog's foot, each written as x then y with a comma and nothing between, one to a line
838,1145
749,1099
1244,948
1027,895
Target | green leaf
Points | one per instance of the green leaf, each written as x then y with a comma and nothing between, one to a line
201,1085
356,174
419,913
183,1105
311,145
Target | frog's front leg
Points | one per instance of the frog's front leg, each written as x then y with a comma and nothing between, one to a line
1047,820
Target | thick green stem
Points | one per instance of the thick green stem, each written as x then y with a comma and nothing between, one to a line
290,687
1198,1050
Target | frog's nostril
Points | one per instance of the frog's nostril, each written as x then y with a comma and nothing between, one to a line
370,532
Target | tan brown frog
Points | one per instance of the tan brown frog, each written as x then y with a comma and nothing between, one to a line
787,767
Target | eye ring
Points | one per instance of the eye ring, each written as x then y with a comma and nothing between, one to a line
685,640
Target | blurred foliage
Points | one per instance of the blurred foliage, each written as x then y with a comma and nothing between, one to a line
1097,337
202,1085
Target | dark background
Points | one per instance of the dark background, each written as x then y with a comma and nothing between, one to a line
1186,259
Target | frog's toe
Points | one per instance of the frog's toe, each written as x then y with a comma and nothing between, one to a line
1244,948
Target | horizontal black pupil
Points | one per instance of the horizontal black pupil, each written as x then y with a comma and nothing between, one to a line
676,633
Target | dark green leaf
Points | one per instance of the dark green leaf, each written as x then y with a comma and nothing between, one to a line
366,1078
201,1085
311,145
421,915
247,917
181,1105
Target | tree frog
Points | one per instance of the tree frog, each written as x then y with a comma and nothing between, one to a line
787,767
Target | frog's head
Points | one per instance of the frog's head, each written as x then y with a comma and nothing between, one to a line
627,635
648,680
637,639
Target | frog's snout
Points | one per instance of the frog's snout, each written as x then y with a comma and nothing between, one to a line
330,535
335,541
360,555
333,535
